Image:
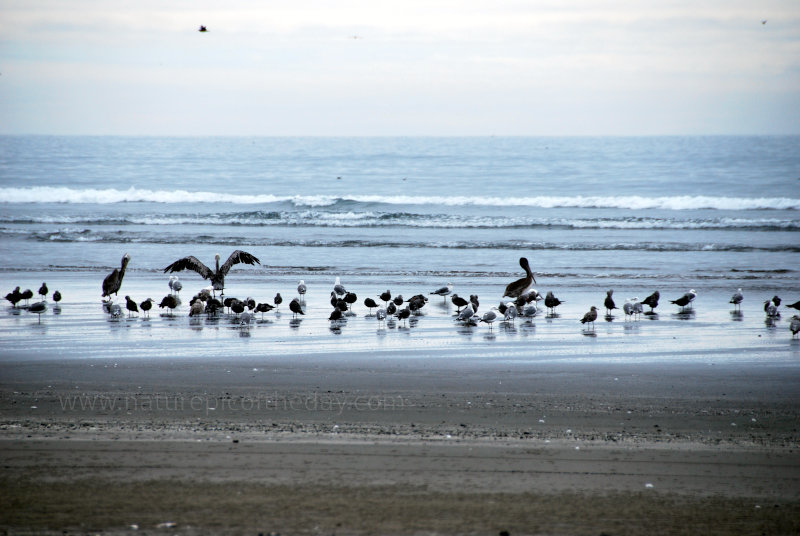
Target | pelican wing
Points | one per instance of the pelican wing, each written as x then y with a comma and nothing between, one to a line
190,263
237,257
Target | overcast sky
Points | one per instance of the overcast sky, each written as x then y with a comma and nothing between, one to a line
352,67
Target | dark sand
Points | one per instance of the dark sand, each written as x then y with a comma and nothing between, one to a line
352,446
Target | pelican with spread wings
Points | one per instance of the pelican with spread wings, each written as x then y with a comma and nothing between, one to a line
216,276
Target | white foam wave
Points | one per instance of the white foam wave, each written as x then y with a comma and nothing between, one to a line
50,194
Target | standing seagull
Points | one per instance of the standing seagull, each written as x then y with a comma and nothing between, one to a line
338,288
652,301
685,300
38,308
444,291
301,289
736,300
609,303
278,300
295,308
146,305
217,276
113,281
794,326
131,306
43,290
590,317
551,302
520,286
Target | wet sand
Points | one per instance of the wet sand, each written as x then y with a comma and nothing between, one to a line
672,425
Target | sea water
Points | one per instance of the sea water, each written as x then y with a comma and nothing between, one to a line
630,213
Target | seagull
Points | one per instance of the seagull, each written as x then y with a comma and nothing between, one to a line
385,296
381,314
14,297
43,290
458,301
637,307
685,300
609,302
764,21
510,312
370,304
444,291
146,305
197,308
521,285
278,299
338,288
794,326
301,289
627,308
217,276
295,308
176,285
736,299
590,317
403,314
131,306
26,295
169,301
202,29
490,316
56,298
38,308
113,281
771,309
652,300
264,308
551,302
466,314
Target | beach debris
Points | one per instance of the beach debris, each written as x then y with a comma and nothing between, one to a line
167,525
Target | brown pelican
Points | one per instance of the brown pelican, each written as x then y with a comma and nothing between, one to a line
113,281
217,276
521,285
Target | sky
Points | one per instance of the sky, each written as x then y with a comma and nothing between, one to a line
410,68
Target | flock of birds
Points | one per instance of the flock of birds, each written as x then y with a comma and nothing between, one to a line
522,300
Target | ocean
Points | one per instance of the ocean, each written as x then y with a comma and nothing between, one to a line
634,214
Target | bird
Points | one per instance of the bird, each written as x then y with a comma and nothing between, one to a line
510,313
685,300
794,325
38,308
245,319
278,299
43,290
771,309
637,307
113,281
146,305
217,276
764,21
212,306
521,285
295,307
776,300
56,297
551,302
114,310
197,308
609,302
264,308
590,317
131,306
736,299
489,317
403,314
458,301
416,303
385,296
14,297
301,289
338,288
530,310
391,309
473,300
336,314
381,314
169,301
350,298
444,291
398,300
652,301
370,304
795,305
26,295
466,313
176,285
237,306
202,29
627,308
